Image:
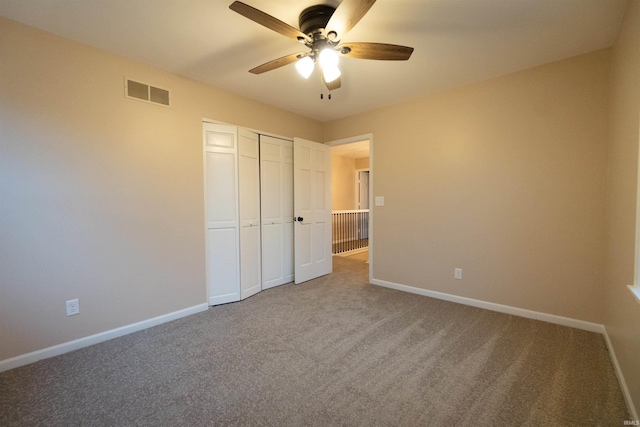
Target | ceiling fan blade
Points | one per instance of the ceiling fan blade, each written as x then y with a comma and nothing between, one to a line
268,21
277,63
381,51
347,15
334,84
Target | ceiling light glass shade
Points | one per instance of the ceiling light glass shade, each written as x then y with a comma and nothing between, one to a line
328,58
330,73
305,66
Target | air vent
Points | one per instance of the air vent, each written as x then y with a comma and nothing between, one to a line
145,92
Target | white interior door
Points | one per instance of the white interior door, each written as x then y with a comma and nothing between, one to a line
363,190
312,209
249,184
221,206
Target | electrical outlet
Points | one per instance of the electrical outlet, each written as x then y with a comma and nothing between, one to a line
458,273
73,307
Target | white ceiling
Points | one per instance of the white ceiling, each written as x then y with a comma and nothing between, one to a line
456,42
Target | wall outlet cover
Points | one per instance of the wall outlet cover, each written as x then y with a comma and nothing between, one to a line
73,307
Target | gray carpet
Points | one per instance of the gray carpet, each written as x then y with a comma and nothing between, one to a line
333,351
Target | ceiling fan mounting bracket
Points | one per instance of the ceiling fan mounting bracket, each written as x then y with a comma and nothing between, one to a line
313,19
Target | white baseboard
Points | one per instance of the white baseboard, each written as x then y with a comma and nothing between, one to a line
623,383
551,318
59,349
352,252
530,314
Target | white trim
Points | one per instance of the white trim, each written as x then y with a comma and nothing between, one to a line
636,257
349,211
352,252
635,290
59,349
371,177
344,240
623,383
351,139
529,314
636,254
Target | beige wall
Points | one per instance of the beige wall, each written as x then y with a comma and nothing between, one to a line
622,312
342,182
504,179
101,196
362,163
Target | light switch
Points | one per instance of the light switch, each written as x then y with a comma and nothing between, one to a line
379,200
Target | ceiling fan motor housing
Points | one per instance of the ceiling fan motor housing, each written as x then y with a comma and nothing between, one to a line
315,18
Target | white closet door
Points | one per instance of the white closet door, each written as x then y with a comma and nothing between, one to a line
221,206
249,184
276,158
312,207
286,153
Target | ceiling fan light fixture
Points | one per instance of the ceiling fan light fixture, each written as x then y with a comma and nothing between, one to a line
330,73
328,58
305,66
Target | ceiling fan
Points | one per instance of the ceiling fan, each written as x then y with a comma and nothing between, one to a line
322,28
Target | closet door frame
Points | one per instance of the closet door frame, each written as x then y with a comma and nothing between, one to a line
235,265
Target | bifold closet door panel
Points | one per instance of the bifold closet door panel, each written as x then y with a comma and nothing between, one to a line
221,189
222,244
272,257
249,183
221,206
276,182
271,203
222,249
287,208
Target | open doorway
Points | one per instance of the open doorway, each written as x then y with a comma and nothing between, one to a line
351,189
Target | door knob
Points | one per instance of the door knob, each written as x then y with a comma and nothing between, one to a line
300,219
